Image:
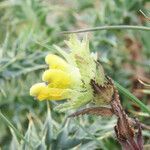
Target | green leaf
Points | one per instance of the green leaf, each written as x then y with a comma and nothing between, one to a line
132,97
9,124
14,142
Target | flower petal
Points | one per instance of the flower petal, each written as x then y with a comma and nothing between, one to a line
36,88
57,78
59,94
42,92
56,62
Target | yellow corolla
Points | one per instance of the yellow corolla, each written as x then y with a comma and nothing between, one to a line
42,92
39,90
60,80
57,78
56,62
68,77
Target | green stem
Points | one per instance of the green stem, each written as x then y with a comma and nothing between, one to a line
114,27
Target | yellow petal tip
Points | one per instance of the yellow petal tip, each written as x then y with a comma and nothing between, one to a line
36,88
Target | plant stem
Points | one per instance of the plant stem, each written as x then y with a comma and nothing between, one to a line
114,27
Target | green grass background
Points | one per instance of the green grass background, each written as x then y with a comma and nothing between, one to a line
28,29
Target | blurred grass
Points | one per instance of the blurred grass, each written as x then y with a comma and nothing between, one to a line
28,29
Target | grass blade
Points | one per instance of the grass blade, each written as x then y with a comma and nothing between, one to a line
132,97
9,124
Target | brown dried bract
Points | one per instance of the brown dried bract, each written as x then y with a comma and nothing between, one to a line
101,111
102,93
125,126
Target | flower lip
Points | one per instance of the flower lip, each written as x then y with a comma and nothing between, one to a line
57,78
56,62
36,88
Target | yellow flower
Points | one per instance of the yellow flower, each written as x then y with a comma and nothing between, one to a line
70,78
39,91
56,62
42,92
61,79
57,78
